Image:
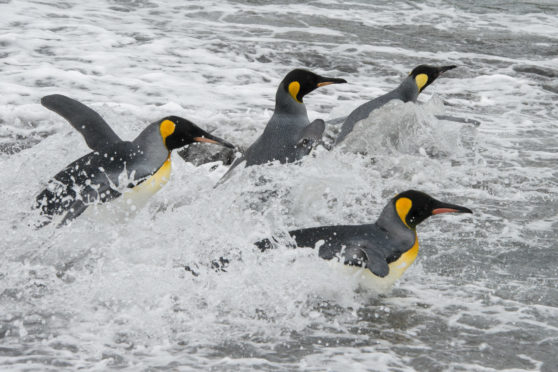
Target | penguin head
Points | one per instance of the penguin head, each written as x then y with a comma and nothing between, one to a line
424,75
178,132
299,83
413,207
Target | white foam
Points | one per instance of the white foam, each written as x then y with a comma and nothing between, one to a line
105,295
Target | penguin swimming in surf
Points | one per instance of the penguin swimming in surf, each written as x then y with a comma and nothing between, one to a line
384,249
289,135
137,168
421,77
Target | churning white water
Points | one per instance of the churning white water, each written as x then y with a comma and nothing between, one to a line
96,295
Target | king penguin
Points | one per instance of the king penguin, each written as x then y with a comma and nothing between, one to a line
421,77
382,250
137,168
289,135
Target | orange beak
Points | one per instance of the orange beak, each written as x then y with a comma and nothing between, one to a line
203,139
449,208
327,81
215,140
444,210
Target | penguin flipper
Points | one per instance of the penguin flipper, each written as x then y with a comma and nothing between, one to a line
77,208
228,173
369,258
97,133
312,132
310,136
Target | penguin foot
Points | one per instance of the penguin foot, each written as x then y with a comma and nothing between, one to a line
217,265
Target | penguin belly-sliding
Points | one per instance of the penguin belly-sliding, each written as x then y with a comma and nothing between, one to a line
376,254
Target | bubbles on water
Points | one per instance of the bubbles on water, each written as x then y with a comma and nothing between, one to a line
100,294
405,128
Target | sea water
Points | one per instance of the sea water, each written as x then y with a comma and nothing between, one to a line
105,294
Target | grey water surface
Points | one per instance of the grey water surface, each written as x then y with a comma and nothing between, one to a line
104,294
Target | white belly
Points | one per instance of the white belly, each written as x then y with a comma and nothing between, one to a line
368,280
139,195
132,200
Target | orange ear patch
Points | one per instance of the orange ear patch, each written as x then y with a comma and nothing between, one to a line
294,88
167,128
403,206
421,80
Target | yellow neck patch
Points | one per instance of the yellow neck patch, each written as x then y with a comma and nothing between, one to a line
167,128
403,206
294,88
421,80
398,267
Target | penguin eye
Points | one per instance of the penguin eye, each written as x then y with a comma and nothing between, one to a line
294,88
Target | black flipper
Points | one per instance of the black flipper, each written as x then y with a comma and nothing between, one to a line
310,136
312,132
77,208
356,255
97,133
228,173
377,264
